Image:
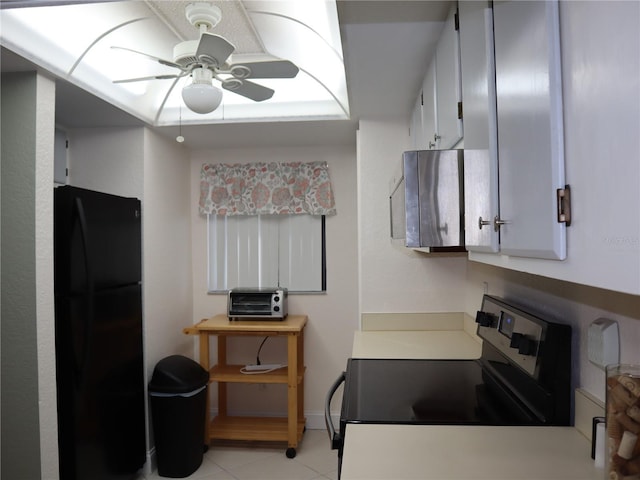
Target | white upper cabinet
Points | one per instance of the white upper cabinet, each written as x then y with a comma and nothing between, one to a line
448,89
512,90
601,110
439,103
530,128
480,130
416,131
429,107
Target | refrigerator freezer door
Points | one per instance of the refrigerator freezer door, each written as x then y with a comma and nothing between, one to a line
98,237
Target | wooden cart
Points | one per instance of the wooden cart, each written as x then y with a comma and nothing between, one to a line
225,427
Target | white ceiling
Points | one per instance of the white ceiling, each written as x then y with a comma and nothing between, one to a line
386,47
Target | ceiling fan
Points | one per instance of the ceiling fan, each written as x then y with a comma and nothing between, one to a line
209,58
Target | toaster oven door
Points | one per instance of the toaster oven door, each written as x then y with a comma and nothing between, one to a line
250,304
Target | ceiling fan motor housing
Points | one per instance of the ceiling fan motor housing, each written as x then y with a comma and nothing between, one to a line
184,53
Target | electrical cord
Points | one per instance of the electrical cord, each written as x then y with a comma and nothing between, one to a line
244,370
260,348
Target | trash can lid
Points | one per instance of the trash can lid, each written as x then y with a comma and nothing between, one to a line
177,374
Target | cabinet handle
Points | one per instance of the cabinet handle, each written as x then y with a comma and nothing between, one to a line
482,223
431,145
436,137
497,222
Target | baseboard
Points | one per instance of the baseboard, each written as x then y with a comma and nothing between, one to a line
315,421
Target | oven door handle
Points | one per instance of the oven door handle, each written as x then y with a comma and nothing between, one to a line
336,440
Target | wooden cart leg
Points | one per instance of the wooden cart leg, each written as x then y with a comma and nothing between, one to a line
222,386
292,395
204,362
300,348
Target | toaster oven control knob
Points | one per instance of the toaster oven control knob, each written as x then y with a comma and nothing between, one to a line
276,299
485,319
276,308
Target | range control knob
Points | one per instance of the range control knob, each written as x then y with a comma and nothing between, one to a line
485,319
515,340
524,344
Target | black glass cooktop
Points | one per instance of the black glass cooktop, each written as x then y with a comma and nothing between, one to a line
427,392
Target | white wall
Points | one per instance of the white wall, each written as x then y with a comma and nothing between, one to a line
29,421
167,249
394,278
333,317
108,160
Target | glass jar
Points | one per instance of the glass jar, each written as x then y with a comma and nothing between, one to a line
623,422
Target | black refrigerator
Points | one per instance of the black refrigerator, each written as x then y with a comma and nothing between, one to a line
98,330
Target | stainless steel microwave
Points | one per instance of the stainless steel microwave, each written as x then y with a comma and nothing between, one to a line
257,303
426,201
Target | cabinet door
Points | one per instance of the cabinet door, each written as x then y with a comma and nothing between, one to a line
530,128
448,91
480,139
429,106
417,132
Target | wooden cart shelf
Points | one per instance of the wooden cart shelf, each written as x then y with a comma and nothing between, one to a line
232,374
225,427
275,429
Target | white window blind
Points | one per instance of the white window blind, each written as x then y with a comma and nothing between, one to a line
266,251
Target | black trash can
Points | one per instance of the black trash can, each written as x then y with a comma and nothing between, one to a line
178,391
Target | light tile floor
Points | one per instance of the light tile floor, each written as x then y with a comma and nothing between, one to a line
314,460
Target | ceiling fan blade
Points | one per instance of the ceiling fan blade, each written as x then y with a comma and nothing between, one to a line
214,49
162,61
267,69
251,90
154,77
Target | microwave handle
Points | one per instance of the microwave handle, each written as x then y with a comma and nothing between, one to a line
334,438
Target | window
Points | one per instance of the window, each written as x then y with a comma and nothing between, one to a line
266,251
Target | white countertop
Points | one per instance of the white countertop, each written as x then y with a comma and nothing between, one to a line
435,452
432,344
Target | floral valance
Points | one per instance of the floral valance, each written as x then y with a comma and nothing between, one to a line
266,188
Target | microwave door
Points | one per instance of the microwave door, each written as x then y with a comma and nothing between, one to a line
439,182
431,228
412,199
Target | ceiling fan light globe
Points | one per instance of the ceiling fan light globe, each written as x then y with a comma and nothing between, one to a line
201,98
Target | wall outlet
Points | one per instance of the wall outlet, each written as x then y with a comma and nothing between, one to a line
603,347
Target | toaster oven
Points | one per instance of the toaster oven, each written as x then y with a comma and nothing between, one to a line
257,303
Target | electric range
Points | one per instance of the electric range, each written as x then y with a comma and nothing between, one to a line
523,377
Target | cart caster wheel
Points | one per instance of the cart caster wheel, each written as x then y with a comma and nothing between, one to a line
291,452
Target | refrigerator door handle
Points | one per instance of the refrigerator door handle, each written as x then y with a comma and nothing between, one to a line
89,297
